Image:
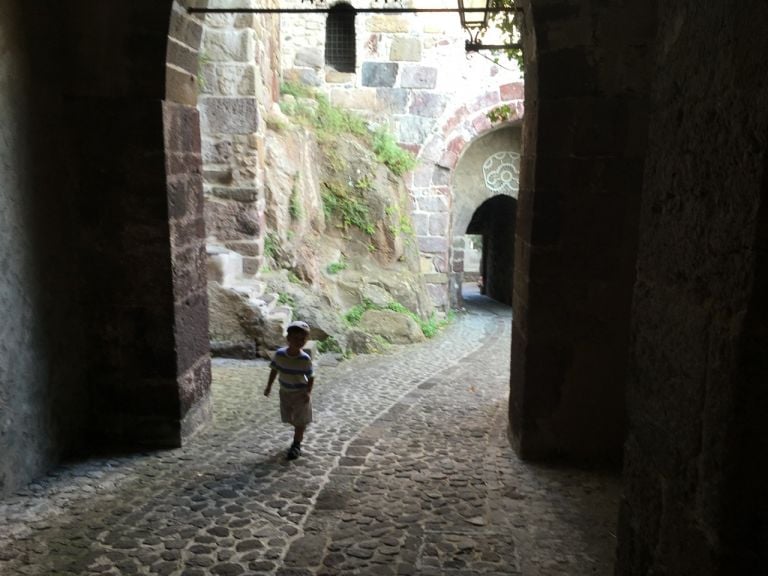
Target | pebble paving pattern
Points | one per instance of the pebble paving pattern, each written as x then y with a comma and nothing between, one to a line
406,470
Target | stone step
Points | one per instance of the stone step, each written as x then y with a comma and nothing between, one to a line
249,287
224,265
266,303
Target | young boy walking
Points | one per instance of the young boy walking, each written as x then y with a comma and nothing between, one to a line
292,366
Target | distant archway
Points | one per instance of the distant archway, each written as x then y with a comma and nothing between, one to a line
485,184
494,223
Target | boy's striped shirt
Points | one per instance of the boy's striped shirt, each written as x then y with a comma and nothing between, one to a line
293,371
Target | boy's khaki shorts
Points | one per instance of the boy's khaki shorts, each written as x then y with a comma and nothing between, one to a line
295,407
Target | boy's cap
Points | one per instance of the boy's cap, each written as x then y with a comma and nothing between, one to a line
299,325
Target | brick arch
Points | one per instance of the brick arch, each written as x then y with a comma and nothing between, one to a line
430,185
468,121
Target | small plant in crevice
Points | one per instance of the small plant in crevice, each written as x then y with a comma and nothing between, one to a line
389,153
364,183
293,278
336,267
271,245
402,225
329,344
500,113
346,207
294,204
286,300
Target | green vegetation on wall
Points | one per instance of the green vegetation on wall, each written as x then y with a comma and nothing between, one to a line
330,122
294,206
348,205
429,327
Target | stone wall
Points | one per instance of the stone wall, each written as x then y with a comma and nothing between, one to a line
414,76
184,201
588,71
239,84
105,341
42,354
695,469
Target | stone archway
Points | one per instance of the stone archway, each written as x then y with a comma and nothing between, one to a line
494,222
488,167
433,184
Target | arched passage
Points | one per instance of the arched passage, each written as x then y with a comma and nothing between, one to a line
494,222
486,179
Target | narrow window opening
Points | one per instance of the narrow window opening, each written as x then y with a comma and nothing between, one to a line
340,38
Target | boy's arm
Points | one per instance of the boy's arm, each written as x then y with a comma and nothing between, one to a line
272,376
310,383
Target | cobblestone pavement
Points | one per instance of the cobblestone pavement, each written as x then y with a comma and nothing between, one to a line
406,470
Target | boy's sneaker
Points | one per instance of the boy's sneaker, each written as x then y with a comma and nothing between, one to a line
293,452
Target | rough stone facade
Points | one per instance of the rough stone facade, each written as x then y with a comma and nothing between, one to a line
435,110
698,369
42,354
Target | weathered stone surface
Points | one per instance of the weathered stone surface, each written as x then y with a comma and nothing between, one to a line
419,77
360,342
392,326
427,104
387,23
306,76
354,99
432,204
230,45
393,100
379,74
240,194
433,244
310,58
230,220
231,319
333,76
229,115
405,49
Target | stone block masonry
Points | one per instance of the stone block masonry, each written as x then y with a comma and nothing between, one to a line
239,85
413,76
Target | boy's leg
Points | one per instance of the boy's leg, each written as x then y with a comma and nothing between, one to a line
298,434
295,449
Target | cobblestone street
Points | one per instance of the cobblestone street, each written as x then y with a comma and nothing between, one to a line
406,470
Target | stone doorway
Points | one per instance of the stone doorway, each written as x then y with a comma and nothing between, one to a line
493,223
485,187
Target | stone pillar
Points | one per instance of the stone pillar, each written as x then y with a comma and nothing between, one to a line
584,139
